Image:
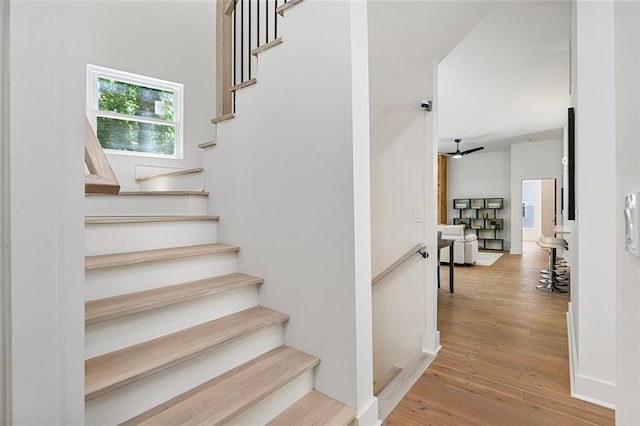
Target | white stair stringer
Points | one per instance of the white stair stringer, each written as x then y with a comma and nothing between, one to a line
102,238
108,282
108,336
147,204
126,402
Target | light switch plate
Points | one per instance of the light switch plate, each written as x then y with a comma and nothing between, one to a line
418,214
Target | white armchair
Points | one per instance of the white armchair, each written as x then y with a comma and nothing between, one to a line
465,248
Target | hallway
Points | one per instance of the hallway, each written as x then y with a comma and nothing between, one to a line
504,354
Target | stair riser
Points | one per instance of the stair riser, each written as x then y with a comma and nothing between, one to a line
187,182
135,398
269,408
122,237
107,282
145,205
109,336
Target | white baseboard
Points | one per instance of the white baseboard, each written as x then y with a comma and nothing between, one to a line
398,388
586,388
368,416
431,343
572,349
595,391
515,251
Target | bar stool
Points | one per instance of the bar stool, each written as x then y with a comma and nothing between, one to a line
551,278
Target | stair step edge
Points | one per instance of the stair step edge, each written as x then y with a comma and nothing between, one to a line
152,193
244,84
233,392
112,260
207,144
169,174
222,118
258,50
99,220
108,372
315,408
109,308
288,5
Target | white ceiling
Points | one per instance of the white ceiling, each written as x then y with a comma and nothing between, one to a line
508,79
403,37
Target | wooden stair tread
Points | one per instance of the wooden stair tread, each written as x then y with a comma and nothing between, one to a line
144,256
258,50
94,220
207,144
224,397
222,118
169,174
315,409
110,371
195,193
286,6
244,84
114,307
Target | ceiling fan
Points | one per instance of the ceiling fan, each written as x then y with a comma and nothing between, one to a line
458,153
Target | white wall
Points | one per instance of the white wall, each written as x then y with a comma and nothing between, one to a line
627,45
289,181
481,175
169,40
536,160
5,317
47,243
402,180
596,219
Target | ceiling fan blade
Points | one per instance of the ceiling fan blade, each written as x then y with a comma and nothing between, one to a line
469,151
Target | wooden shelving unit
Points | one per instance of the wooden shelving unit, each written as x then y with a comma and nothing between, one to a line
480,217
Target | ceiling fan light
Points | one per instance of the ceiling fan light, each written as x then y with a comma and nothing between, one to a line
457,155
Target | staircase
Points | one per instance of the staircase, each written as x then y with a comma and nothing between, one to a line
174,334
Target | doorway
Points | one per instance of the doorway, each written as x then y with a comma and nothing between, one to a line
538,208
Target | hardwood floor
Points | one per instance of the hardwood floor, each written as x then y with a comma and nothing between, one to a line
504,357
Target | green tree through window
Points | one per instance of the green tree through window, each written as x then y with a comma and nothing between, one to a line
133,116
126,135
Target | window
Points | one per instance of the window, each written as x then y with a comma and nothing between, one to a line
134,114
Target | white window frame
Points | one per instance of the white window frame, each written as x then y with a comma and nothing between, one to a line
95,72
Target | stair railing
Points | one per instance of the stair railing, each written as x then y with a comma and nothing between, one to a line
420,248
244,27
101,179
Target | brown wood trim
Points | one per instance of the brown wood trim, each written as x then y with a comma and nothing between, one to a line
101,178
442,189
224,101
229,6
398,262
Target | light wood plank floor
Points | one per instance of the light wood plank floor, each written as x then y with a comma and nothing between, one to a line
504,357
